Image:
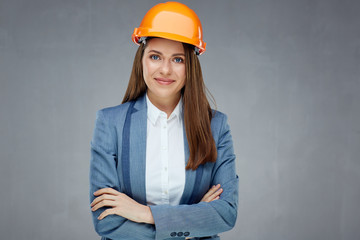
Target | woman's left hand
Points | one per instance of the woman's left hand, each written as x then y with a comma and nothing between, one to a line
121,205
213,194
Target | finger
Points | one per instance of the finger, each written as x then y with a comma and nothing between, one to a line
102,197
106,213
211,191
104,203
215,195
106,190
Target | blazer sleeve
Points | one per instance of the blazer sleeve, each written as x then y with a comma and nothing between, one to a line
103,174
205,219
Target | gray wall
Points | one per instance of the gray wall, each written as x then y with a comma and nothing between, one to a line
286,72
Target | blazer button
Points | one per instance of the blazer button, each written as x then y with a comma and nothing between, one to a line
180,234
186,234
173,234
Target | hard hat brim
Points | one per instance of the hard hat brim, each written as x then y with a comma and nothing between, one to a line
141,32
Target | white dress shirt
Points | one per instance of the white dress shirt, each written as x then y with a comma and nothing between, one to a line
165,157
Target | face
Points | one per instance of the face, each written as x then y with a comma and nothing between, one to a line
164,70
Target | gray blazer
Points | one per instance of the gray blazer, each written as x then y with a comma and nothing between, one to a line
118,156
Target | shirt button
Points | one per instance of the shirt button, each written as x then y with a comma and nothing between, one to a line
166,192
163,147
164,126
180,234
173,234
165,168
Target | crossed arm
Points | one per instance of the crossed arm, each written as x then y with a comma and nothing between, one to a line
124,206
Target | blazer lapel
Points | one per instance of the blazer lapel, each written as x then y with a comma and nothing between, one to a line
137,151
190,176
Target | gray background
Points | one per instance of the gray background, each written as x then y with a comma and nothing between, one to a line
286,72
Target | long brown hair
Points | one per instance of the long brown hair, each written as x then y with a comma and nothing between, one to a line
197,111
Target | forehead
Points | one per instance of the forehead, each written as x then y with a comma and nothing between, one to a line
164,46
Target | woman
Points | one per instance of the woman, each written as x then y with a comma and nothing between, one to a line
162,162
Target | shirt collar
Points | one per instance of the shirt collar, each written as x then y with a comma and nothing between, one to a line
154,113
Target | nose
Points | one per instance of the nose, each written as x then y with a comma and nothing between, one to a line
165,67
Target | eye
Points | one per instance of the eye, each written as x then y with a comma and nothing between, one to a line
178,60
154,57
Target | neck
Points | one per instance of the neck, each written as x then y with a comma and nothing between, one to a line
166,105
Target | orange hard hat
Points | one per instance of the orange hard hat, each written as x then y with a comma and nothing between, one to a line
174,21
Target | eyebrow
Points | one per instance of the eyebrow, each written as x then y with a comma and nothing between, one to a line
175,54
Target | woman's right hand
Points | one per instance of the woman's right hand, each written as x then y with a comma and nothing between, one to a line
213,194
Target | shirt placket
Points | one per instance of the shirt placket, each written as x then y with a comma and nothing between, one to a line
164,159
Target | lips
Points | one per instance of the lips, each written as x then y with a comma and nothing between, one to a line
164,81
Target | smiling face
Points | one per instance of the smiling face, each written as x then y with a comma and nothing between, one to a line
164,70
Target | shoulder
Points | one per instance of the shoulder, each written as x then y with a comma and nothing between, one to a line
116,115
115,110
113,114
218,124
218,119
